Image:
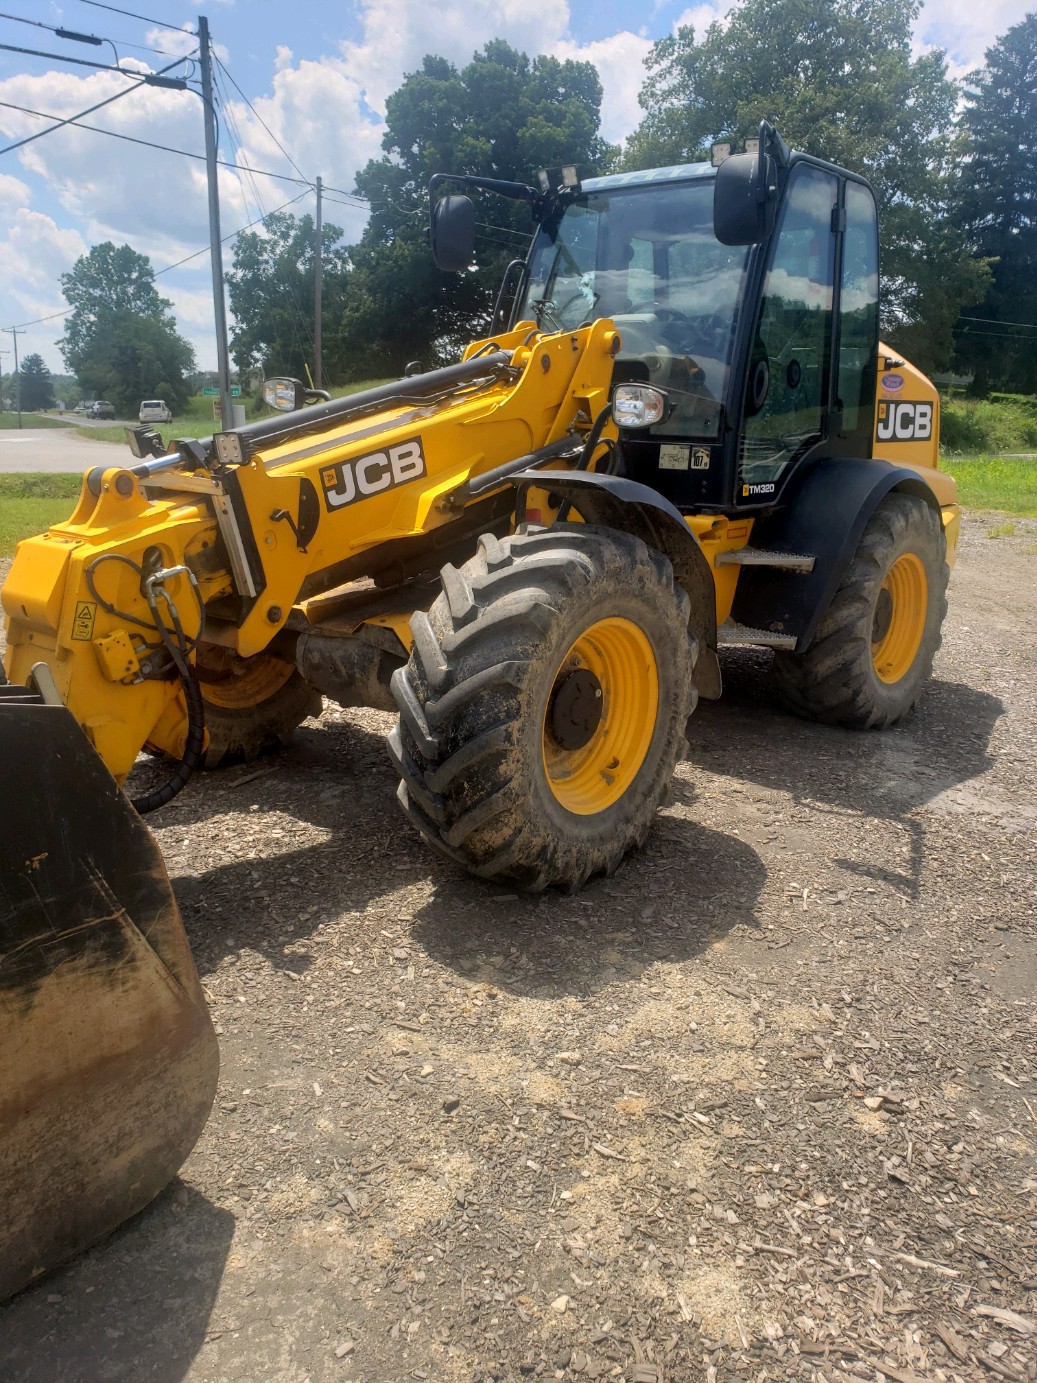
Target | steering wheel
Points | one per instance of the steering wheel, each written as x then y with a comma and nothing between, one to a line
547,308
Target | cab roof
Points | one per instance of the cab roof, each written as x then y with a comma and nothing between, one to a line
681,172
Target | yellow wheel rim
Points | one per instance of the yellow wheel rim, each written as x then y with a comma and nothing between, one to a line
251,681
606,694
899,621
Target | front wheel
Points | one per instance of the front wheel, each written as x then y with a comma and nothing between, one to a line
873,650
543,708
251,704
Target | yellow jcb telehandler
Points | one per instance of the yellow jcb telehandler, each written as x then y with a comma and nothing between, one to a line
680,431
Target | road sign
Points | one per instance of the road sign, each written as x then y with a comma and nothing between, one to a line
212,393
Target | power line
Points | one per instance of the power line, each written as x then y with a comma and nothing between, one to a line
997,322
61,33
233,235
150,144
79,62
162,23
77,37
37,321
989,335
299,326
163,148
259,118
89,110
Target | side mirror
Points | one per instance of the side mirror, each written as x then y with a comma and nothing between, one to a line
452,233
284,394
745,198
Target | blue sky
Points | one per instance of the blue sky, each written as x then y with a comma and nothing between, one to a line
317,75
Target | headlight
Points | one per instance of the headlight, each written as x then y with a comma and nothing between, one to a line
638,405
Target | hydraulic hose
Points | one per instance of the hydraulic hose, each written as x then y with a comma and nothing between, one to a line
177,649
195,739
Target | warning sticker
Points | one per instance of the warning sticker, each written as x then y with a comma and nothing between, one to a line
83,620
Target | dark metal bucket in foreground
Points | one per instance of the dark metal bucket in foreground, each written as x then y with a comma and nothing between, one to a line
108,1058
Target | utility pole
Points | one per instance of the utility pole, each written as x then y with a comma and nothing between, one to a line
318,270
15,333
219,301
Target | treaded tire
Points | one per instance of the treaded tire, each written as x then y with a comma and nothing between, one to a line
238,734
488,660
836,679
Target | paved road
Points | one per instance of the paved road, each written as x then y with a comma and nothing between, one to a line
55,449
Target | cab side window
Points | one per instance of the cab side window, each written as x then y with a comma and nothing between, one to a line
858,311
788,374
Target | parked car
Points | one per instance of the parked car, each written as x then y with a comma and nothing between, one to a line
82,408
155,411
102,409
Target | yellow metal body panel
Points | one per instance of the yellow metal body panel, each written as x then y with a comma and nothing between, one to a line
117,656
54,616
907,414
556,380
382,478
717,535
907,433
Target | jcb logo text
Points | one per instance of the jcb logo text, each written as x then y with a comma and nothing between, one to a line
904,422
347,481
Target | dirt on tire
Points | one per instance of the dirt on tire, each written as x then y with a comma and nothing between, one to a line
760,1106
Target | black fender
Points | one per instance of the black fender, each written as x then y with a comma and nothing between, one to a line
824,509
615,502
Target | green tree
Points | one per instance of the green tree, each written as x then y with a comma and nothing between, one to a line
997,203
34,385
130,358
271,289
502,116
838,79
120,339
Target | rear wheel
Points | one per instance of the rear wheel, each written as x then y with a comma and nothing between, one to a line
543,707
874,648
251,704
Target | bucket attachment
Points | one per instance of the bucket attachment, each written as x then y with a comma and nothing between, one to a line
108,1058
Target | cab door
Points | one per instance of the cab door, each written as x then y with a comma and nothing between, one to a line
785,412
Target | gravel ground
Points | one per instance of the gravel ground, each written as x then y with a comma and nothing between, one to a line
761,1106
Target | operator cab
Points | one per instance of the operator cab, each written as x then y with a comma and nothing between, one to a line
747,294
766,352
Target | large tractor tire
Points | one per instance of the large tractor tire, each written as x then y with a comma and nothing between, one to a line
874,647
544,705
251,704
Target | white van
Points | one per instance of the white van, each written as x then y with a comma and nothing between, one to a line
154,411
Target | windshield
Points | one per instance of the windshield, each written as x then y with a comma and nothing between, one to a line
647,257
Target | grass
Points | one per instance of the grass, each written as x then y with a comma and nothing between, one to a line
992,482
991,426
31,503
10,420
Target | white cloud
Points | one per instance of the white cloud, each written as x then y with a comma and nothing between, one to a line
34,252
13,192
965,32
700,17
620,63
398,33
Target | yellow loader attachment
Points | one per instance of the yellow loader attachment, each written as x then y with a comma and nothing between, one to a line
109,1057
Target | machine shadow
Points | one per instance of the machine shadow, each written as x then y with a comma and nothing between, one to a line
888,774
135,1306
337,777
554,946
